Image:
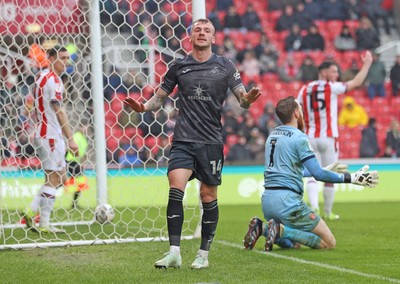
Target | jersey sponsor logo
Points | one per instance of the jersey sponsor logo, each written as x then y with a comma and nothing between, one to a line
198,95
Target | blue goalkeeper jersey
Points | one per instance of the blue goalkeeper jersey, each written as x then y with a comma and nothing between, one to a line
286,149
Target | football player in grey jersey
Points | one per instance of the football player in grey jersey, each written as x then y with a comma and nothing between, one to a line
203,79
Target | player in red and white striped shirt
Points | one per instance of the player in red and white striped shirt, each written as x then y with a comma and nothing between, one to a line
51,125
320,106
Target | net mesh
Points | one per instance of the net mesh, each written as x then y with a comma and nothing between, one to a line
138,41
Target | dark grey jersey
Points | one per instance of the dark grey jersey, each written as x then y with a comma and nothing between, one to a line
202,89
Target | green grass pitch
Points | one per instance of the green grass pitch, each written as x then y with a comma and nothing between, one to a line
367,252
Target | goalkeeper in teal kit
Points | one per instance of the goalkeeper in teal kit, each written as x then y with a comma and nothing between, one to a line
288,158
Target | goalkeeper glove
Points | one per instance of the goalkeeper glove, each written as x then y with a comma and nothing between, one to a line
365,178
337,168
136,106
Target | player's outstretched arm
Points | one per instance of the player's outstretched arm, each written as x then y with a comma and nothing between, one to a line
246,99
362,74
154,103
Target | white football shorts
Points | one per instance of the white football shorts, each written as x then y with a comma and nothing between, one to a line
326,150
51,153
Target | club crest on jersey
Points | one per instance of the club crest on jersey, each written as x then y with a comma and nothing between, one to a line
214,71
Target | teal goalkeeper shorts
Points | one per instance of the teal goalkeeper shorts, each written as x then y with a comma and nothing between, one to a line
289,209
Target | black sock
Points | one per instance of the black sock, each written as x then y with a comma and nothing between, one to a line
175,216
209,224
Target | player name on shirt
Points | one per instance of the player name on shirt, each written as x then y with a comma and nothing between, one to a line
282,132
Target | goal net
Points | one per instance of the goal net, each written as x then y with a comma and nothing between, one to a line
137,41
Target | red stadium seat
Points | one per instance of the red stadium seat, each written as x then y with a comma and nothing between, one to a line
334,27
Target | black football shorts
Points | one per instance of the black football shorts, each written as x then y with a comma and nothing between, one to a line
205,160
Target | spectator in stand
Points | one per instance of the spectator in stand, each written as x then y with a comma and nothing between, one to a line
294,39
230,50
250,66
223,5
366,35
247,125
129,157
375,12
113,84
309,72
269,60
313,40
8,106
268,120
303,19
289,72
345,40
376,78
264,42
393,139
250,19
354,9
230,123
352,114
286,20
240,151
369,147
333,10
350,73
313,9
232,20
395,77
213,17
257,145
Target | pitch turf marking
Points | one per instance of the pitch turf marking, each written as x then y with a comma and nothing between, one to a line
327,266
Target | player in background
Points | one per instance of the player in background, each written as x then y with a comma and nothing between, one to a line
203,79
77,181
320,104
51,125
288,158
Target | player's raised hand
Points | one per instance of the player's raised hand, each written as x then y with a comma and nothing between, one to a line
135,105
367,57
337,168
252,95
364,177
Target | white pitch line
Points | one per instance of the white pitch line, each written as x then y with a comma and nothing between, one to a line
331,267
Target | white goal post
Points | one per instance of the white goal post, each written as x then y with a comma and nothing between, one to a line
118,49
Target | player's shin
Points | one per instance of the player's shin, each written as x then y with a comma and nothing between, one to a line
305,238
209,224
175,216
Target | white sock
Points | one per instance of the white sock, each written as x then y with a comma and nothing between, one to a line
329,196
175,250
46,205
203,253
35,204
312,193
